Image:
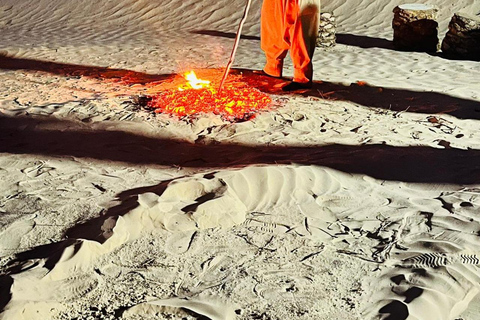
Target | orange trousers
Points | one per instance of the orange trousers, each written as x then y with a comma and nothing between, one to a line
290,25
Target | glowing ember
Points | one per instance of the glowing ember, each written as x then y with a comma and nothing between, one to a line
197,96
194,82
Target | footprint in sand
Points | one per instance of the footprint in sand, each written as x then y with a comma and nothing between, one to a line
215,271
278,285
179,242
217,200
35,285
75,287
200,307
439,293
435,271
439,259
37,169
265,227
392,216
159,312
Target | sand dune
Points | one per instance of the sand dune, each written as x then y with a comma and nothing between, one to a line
357,199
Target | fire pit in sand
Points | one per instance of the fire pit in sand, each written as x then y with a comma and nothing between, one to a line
235,101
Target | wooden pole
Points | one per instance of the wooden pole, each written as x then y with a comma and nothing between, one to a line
235,45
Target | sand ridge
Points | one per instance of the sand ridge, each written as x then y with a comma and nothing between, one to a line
356,199
330,212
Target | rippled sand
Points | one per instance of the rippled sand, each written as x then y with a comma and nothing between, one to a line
357,199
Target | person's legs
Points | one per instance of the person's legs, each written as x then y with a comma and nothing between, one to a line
304,35
272,36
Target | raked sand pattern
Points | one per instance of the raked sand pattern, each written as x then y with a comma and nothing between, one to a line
358,199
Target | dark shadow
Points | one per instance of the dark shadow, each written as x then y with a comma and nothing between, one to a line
412,294
52,252
229,35
367,42
399,100
101,228
54,137
6,283
127,77
378,97
398,279
396,310
363,41
456,57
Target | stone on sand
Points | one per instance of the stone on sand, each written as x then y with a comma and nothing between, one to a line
463,37
415,28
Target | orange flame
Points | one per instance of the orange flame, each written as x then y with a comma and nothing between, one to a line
193,82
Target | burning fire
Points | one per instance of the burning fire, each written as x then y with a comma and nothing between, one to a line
198,96
193,82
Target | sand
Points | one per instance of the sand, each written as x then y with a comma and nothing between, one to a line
357,199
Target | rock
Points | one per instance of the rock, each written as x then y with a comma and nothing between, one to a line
326,30
463,37
415,28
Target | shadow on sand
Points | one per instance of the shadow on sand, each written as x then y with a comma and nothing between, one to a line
378,97
364,42
31,135
365,95
221,34
24,135
74,70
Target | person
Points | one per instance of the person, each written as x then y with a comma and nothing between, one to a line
290,25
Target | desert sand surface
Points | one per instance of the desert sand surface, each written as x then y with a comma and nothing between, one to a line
356,199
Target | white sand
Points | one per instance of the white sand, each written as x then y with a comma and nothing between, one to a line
355,200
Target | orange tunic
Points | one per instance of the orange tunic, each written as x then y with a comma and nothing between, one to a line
290,25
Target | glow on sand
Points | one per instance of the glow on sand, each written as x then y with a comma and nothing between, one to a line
198,96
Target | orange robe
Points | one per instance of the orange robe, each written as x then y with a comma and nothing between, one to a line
290,25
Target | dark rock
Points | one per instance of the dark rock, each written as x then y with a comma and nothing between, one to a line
463,37
415,28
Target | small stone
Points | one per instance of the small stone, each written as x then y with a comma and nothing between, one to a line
298,117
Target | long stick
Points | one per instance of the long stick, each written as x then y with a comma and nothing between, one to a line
235,46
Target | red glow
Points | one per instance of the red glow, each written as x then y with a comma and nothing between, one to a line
233,102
